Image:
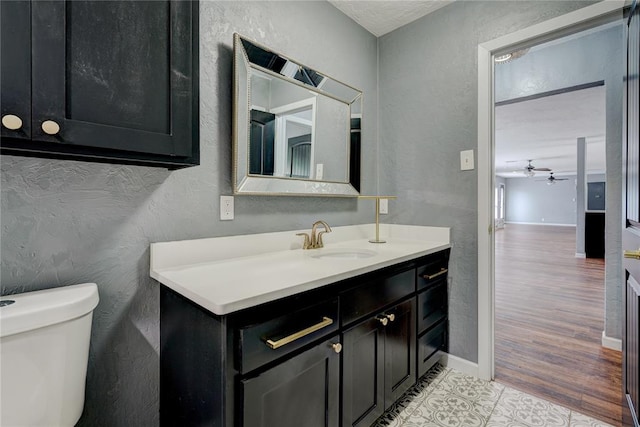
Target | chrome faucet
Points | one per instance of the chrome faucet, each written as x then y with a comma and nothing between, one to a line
315,240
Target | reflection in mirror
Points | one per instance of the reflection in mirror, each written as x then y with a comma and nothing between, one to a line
297,131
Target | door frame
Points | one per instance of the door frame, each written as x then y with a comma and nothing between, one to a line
573,22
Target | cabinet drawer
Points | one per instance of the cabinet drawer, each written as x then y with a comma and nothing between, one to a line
432,305
264,342
433,271
430,347
366,299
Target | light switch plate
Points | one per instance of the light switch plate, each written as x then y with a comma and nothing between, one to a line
226,208
384,206
466,160
319,170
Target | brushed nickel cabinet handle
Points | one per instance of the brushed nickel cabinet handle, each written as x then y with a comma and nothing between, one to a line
326,321
433,276
632,254
391,317
383,320
337,347
11,122
50,127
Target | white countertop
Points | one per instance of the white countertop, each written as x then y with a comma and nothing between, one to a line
227,274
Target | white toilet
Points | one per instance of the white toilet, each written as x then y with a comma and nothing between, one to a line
44,349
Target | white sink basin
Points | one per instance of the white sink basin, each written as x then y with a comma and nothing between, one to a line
342,253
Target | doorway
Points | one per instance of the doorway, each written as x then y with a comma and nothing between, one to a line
589,17
549,297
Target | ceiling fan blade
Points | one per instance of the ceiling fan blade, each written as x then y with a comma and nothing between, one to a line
542,169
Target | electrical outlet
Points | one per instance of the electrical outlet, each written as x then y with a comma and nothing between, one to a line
226,208
384,206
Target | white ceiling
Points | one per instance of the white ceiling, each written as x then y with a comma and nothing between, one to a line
382,16
545,130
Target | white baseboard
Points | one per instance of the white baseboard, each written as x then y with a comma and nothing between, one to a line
580,255
540,223
460,364
612,343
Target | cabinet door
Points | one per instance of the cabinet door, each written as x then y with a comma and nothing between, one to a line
115,75
15,68
363,374
400,350
303,391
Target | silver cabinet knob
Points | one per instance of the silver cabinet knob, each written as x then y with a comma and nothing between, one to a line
391,317
11,122
50,127
337,347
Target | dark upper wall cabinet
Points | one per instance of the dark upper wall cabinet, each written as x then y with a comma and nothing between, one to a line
112,81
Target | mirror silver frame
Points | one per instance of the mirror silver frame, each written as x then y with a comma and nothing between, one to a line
245,183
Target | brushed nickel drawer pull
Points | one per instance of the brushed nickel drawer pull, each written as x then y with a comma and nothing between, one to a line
632,254
326,321
391,317
439,273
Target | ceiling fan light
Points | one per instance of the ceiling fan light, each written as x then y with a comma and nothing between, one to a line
551,181
529,173
502,58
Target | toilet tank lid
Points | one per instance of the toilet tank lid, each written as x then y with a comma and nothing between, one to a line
37,309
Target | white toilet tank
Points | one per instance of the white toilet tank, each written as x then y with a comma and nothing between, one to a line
44,349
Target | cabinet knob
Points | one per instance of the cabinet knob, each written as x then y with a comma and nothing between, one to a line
50,127
391,317
337,347
11,122
383,320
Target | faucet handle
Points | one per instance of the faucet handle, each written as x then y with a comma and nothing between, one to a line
307,242
319,243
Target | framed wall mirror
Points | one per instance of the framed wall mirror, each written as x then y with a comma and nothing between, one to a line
296,131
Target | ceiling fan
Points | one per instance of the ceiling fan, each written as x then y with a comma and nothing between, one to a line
552,179
529,170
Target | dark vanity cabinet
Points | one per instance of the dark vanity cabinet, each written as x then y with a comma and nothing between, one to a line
336,356
107,81
379,352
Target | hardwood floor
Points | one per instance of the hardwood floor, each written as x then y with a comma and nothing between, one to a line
549,319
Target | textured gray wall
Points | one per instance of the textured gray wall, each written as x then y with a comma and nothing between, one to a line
66,222
428,114
532,201
595,57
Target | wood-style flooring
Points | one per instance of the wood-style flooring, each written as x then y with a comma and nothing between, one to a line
549,318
